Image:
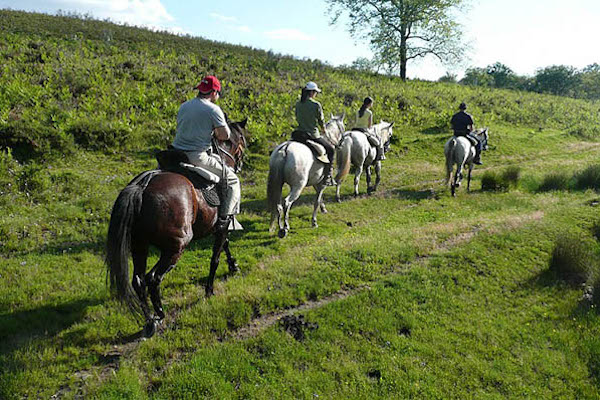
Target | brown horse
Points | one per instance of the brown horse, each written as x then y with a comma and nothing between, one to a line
164,209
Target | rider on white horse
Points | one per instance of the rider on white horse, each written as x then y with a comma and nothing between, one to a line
462,124
364,124
309,115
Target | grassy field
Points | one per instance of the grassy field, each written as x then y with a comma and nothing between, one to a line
405,293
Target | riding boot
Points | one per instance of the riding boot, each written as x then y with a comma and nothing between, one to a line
477,159
228,222
327,179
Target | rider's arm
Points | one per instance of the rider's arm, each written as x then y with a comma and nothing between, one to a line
222,132
321,118
370,120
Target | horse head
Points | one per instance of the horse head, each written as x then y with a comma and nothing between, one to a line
233,148
385,131
483,136
334,129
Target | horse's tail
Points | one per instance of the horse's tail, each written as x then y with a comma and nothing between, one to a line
275,180
125,210
343,156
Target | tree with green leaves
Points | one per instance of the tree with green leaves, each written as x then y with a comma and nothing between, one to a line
399,31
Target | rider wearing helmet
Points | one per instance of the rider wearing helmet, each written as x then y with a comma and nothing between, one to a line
198,121
309,115
364,123
462,124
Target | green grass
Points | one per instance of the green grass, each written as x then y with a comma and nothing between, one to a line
445,297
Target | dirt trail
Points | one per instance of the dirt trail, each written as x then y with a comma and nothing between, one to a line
126,350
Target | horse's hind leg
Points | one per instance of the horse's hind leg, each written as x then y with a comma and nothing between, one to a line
167,262
369,179
139,254
220,240
233,265
284,223
359,171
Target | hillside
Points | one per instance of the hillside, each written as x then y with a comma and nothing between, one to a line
415,294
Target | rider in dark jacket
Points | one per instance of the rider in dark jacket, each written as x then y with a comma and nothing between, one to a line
462,124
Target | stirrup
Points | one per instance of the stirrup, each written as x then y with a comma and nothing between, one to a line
328,181
228,222
477,161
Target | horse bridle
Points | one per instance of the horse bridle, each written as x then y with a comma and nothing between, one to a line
239,150
340,127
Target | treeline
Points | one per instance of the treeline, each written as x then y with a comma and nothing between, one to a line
560,80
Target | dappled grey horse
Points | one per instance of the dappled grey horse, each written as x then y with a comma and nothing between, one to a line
295,164
356,150
460,151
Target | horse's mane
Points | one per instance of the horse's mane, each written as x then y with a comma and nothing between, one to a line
384,134
335,119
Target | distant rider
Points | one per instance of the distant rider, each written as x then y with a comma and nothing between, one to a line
198,120
462,124
364,123
309,115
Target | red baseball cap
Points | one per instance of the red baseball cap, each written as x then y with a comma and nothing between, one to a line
208,84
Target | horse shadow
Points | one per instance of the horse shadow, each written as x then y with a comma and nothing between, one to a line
20,328
416,195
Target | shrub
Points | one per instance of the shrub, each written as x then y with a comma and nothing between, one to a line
589,178
554,181
573,258
511,175
491,181
596,230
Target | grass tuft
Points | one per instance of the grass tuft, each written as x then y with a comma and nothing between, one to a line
491,181
589,178
554,181
573,258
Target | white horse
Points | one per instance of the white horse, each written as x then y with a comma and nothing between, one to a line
294,163
355,149
460,151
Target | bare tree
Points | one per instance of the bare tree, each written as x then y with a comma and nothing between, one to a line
402,30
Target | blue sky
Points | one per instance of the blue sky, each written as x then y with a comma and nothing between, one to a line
523,34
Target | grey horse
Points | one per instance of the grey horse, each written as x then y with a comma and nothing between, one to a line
460,151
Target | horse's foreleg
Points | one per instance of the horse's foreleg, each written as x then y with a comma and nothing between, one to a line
359,171
318,200
377,175
338,198
369,179
469,178
233,265
220,239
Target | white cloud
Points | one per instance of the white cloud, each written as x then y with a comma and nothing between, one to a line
244,28
223,18
288,34
135,12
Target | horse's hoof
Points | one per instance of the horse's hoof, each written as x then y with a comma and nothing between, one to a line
209,292
315,225
150,328
339,200
324,210
282,233
234,269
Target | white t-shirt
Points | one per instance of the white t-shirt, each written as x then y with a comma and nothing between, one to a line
196,120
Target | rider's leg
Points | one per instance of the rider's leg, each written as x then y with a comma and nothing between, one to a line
477,143
330,150
230,197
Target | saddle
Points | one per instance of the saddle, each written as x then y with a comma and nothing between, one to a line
204,181
317,149
466,135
